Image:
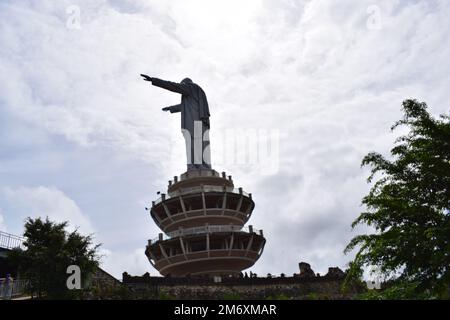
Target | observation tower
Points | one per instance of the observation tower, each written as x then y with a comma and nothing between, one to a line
202,217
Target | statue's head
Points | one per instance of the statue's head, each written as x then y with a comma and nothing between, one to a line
186,80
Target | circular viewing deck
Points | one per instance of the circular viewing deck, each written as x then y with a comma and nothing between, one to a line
189,205
213,253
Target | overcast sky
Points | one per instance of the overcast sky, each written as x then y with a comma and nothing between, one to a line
83,138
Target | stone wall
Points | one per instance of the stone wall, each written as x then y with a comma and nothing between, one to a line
300,286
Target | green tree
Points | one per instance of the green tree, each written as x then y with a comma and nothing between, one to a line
49,250
409,208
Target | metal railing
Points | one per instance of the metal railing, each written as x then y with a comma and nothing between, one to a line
12,288
10,241
207,229
199,189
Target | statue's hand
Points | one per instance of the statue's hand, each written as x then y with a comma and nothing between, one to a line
146,77
166,109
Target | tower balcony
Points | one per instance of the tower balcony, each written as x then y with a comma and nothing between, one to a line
200,205
212,250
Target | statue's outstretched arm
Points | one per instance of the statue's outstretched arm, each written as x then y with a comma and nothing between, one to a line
171,86
173,109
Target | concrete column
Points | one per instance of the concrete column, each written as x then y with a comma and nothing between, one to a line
238,207
204,203
182,248
224,203
167,211
231,243
183,207
249,245
163,251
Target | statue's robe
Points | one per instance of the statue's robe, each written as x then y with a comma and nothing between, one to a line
194,108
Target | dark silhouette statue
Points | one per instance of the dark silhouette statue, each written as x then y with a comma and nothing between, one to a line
194,119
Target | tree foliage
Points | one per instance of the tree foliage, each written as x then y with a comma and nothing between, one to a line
49,250
409,205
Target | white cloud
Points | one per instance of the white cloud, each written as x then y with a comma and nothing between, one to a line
132,261
48,202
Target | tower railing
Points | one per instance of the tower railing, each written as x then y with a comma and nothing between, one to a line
199,173
199,189
206,229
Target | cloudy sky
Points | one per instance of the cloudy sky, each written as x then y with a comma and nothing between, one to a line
83,139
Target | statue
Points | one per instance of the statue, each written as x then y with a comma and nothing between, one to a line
194,119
